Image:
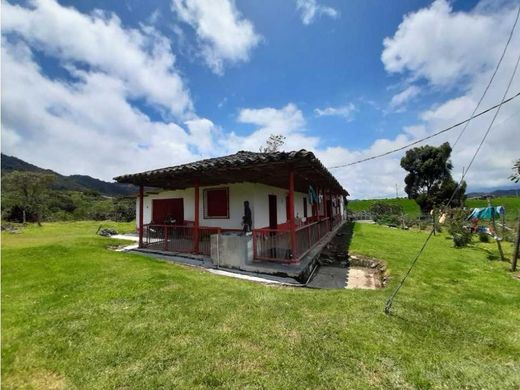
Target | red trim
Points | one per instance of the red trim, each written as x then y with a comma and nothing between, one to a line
196,224
141,212
292,225
219,207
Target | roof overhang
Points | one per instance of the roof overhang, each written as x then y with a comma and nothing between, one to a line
266,168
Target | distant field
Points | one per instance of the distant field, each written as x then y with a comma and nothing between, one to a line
510,203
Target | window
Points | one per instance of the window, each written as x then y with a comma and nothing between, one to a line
216,203
304,207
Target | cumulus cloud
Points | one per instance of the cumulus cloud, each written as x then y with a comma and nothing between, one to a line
454,50
288,121
444,46
225,36
86,122
140,59
311,9
402,98
347,111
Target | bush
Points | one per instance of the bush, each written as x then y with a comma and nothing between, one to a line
461,235
483,237
386,213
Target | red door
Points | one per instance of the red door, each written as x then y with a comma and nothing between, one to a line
168,211
273,212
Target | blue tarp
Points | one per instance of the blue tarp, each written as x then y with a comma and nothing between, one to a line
487,212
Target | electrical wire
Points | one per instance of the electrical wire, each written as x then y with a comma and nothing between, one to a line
426,138
389,302
492,77
466,122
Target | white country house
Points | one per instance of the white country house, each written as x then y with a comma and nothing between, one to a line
279,204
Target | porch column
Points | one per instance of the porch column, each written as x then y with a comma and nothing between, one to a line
320,204
292,225
196,223
141,212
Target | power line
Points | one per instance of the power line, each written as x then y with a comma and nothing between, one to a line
492,77
390,300
428,137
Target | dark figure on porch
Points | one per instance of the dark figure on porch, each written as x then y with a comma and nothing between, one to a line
246,219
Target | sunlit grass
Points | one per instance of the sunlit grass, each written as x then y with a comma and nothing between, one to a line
76,315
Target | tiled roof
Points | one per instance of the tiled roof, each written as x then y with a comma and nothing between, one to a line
241,159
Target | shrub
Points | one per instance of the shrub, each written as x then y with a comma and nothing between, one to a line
461,235
386,213
483,237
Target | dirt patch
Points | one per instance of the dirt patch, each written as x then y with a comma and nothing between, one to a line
364,278
373,268
340,269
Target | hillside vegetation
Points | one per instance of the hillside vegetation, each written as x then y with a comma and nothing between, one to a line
510,203
79,183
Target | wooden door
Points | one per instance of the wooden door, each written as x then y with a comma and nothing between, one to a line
167,210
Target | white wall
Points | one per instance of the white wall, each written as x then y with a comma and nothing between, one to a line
256,194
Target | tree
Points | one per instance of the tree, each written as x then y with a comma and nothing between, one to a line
273,143
429,179
516,172
28,192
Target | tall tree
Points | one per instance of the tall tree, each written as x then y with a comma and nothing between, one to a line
429,179
273,143
516,172
27,191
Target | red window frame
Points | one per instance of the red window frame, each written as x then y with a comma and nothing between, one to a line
209,205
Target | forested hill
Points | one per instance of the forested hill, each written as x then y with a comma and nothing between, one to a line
81,183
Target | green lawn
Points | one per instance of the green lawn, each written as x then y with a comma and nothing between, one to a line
76,315
510,203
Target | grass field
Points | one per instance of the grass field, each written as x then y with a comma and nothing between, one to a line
76,315
510,203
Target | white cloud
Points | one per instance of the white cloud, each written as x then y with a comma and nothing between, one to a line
443,46
311,9
449,49
347,111
225,36
399,100
83,127
288,121
203,134
140,59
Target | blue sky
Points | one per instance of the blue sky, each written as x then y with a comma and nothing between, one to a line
106,88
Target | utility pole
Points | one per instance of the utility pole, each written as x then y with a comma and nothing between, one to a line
517,247
495,230
396,192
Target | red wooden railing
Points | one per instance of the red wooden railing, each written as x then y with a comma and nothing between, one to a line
272,245
275,245
268,244
180,238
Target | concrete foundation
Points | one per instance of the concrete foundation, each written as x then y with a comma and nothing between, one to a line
231,250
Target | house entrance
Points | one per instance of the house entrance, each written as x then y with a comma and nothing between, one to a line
168,211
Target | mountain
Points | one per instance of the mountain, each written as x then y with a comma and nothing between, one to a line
81,183
495,193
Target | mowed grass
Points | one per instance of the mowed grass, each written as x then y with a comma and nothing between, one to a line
410,207
76,315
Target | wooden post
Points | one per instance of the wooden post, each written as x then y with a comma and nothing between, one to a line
141,212
325,208
196,223
495,231
516,250
292,225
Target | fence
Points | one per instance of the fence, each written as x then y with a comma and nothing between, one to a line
275,244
